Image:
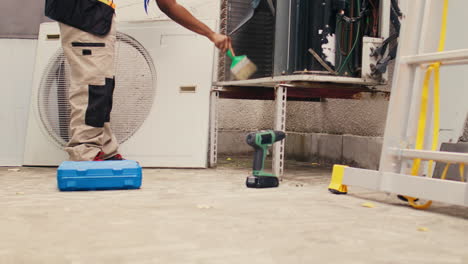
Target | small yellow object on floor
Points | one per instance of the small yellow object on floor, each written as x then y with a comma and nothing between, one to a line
204,206
229,159
423,229
336,185
368,205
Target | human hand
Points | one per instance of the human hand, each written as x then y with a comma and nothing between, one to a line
221,41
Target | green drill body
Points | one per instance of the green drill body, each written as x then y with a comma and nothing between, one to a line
261,141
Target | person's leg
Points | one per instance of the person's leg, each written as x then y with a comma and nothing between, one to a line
110,145
91,60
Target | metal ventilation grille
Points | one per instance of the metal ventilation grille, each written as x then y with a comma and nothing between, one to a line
133,94
255,39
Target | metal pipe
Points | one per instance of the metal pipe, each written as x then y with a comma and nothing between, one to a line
442,156
443,57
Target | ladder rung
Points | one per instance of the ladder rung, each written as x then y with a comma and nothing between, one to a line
444,56
442,156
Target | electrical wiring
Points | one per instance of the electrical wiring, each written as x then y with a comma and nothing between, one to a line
351,51
360,19
352,44
374,18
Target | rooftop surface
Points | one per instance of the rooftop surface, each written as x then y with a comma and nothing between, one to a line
209,216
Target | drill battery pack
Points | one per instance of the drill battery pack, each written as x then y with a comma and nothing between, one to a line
262,182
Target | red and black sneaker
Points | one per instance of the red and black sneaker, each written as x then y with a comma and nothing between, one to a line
99,156
116,157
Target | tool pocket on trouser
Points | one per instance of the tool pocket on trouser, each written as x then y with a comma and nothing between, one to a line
91,59
99,103
86,48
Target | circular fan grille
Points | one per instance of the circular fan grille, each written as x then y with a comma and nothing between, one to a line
133,94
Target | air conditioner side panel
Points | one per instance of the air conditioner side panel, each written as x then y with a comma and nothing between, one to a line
39,147
176,132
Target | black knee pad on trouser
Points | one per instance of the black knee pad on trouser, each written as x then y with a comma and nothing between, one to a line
99,103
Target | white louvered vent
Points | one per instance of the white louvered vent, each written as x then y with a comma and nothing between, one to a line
133,94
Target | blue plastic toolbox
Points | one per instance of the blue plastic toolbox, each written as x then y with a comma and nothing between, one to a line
99,175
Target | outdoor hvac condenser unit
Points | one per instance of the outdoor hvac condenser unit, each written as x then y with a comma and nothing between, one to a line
308,37
161,100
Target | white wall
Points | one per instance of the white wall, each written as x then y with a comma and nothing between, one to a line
16,70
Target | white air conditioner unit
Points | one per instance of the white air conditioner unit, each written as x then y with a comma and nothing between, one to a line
161,99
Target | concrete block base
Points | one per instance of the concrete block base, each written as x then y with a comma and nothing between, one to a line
357,151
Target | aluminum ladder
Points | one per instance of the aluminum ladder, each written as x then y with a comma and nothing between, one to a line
418,37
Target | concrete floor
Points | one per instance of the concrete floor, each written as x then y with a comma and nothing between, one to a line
208,216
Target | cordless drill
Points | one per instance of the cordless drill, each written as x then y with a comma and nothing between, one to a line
260,141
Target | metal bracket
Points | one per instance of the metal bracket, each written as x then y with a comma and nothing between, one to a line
213,128
280,124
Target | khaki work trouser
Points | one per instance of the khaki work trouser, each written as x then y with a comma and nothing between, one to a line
91,60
